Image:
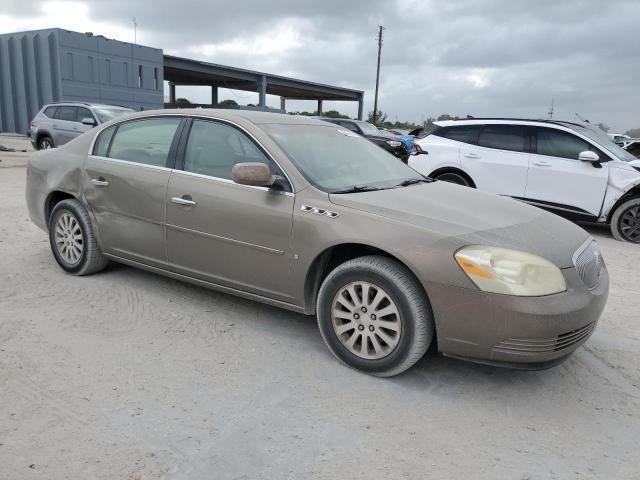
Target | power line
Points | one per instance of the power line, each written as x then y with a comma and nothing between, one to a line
375,100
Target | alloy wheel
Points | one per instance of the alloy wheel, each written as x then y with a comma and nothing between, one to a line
366,320
68,238
630,224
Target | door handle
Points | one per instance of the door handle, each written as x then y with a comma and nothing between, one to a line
472,155
100,182
184,200
542,163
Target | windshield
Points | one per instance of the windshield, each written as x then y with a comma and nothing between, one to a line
368,129
334,159
106,114
604,141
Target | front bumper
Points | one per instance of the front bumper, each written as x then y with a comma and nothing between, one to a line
530,332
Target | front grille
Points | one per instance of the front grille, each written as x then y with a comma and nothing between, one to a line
520,345
588,262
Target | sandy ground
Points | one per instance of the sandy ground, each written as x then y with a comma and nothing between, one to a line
129,375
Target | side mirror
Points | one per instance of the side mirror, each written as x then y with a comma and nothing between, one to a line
592,157
252,173
588,156
89,121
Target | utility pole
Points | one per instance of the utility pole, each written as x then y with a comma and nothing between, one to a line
135,31
375,100
551,109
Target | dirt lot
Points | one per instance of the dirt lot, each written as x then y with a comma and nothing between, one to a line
129,375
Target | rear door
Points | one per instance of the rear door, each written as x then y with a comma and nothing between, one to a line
125,184
233,235
500,160
65,125
559,181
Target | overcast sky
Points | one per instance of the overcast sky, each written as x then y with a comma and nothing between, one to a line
477,57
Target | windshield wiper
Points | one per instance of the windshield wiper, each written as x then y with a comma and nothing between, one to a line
358,188
413,181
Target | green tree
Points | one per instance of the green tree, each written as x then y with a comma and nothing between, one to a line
229,102
334,114
380,119
182,102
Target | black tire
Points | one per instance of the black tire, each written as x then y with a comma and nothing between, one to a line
90,260
414,313
454,177
625,222
45,142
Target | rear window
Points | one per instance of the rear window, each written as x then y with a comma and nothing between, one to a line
462,133
50,112
504,137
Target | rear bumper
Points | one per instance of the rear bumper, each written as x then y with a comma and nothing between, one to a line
523,332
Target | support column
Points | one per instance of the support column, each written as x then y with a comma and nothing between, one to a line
283,104
214,95
262,90
172,92
320,107
360,107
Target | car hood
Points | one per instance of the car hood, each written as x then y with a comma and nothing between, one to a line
465,216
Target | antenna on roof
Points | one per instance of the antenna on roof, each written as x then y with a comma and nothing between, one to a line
135,30
551,109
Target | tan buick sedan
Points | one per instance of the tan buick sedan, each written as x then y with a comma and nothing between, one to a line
307,216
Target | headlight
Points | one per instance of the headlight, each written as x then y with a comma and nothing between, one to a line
510,272
394,143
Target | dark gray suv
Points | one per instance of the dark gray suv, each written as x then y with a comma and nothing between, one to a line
56,124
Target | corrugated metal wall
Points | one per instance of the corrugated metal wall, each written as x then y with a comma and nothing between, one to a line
28,77
45,66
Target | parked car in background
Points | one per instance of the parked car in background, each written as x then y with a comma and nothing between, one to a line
306,216
57,123
391,143
567,168
633,147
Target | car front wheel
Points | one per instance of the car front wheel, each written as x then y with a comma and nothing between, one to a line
72,240
374,316
625,222
453,177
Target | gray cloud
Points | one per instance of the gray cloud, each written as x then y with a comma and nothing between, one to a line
491,57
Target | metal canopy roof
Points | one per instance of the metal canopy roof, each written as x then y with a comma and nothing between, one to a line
184,71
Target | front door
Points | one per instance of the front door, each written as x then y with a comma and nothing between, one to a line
560,182
233,235
126,185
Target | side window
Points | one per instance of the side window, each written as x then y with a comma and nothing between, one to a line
556,143
462,133
101,147
144,141
504,137
83,113
66,113
214,148
50,112
350,126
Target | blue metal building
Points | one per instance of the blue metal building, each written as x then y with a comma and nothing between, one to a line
44,66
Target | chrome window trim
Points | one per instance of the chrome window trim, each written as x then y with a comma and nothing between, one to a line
103,127
129,162
231,182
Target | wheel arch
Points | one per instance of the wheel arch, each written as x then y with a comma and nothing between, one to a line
337,254
458,170
41,134
53,198
634,191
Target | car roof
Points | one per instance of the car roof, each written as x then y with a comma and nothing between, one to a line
85,104
255,117
511,121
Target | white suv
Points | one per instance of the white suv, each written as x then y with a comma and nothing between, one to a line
567,168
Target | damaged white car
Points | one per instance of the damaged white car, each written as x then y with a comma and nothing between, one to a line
571,169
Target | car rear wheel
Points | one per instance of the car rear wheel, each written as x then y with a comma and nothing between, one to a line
625,222
453,177
72,240
45,143
374,316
